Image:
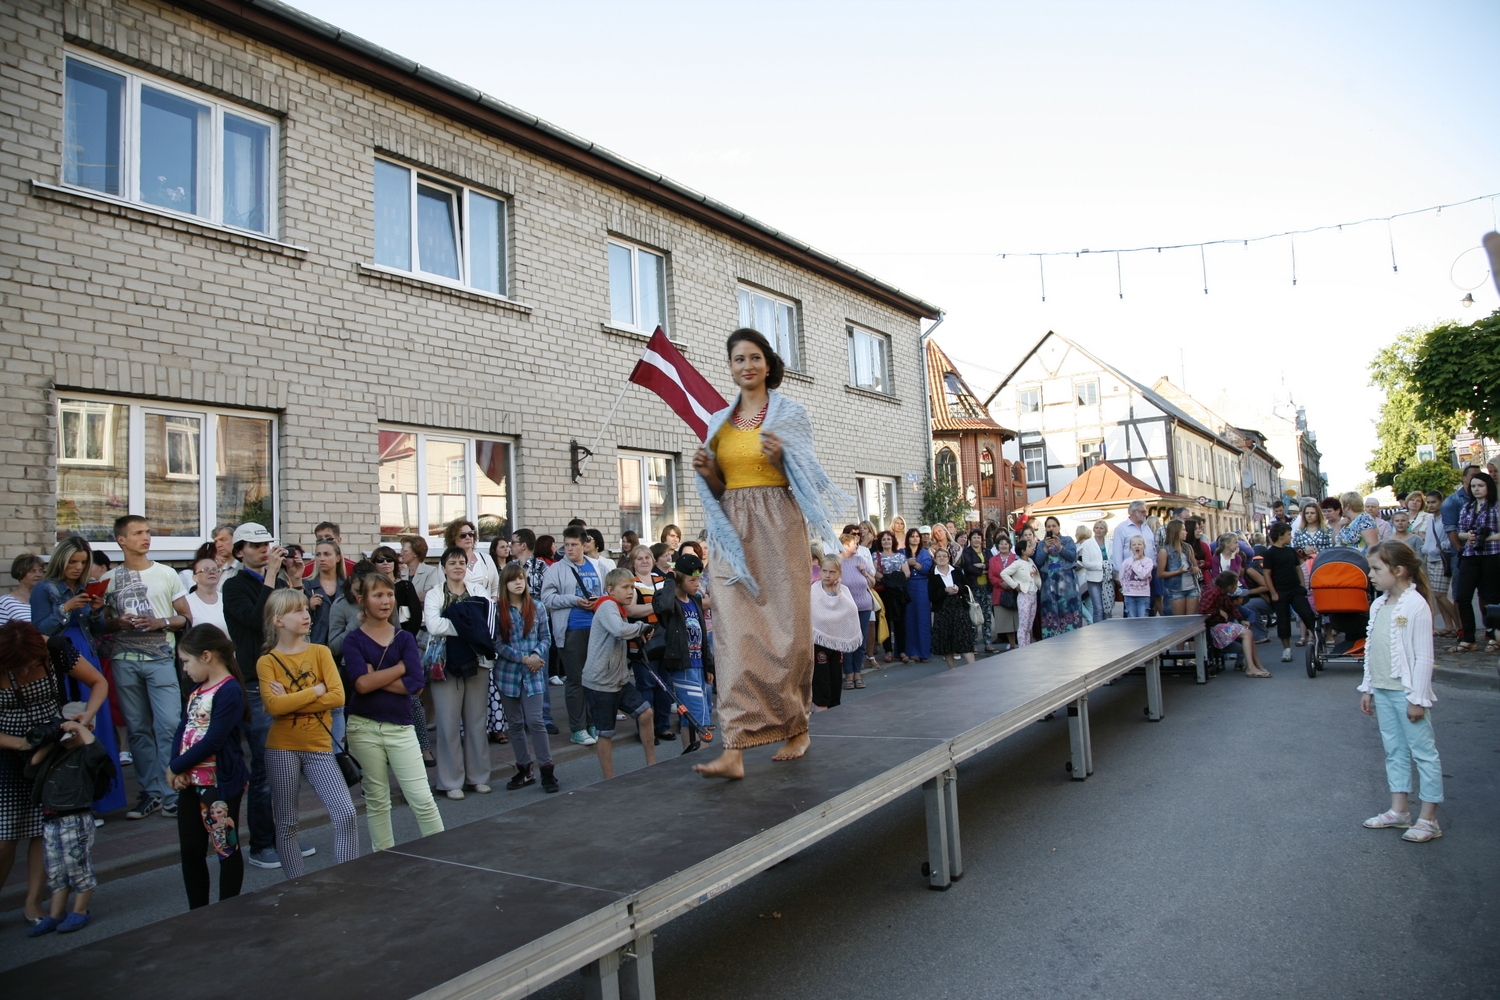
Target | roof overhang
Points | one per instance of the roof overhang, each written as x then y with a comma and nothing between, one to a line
290,30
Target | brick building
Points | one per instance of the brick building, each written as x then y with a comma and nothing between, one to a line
966,445
257,268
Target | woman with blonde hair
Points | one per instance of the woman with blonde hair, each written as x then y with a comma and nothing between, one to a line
1359,530
1178,568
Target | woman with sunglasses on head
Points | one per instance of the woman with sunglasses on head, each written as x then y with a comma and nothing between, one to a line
483,576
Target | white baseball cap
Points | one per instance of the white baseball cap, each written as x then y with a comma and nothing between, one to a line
252,533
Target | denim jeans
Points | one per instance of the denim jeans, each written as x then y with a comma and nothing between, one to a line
1098,606
1138,607
152,703
262,823
1408,742
1258,613
855,658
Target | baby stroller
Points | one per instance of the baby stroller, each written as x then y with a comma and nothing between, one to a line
1340,583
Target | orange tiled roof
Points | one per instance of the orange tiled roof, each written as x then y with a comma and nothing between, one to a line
1103,485
938,369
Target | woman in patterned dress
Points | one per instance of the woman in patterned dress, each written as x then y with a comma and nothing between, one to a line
1058,602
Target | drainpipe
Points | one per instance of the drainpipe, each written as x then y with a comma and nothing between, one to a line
926,383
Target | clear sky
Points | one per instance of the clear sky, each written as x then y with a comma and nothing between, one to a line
920,140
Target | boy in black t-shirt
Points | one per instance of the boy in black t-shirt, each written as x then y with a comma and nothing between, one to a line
1288,591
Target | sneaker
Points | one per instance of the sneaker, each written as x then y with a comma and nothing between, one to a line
46,925
583,739
74,922
549,779
125,758
456,794
169,810
522,778
552,730
594,733
1422,831
555,681
145,806
98,822
265,858
1387,819
1286,656
308,852
482,789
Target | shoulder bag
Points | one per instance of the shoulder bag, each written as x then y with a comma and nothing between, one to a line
348,766
976,613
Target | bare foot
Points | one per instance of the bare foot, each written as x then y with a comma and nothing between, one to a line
731,764
794,747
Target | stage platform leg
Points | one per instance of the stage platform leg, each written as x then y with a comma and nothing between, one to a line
950,803
601,979
1082,763
637,971
1154,710
1200,655
939,865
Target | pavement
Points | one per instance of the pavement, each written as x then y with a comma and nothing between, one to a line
1215,854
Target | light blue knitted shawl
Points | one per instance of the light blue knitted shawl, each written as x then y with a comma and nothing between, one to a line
817,495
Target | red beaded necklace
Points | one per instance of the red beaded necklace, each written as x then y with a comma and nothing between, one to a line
753,422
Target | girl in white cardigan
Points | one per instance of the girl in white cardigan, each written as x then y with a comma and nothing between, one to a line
1397,687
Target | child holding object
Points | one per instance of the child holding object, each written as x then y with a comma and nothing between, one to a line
521,679
300,687
209,771
836,631
1397,687
70,770
606,672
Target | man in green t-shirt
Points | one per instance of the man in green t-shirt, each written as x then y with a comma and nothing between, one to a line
146,608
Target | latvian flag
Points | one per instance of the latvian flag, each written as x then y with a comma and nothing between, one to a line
664,371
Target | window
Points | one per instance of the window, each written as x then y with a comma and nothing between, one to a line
774,317
987,472
429,479
1090,453
637,287
439,230
1036,466
869,360
947,467
961,402
122,457
1029,400
141,139
1087,393
877,500
648,494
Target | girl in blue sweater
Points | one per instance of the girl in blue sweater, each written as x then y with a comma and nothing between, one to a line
209,767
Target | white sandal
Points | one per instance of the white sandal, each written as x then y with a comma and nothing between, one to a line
1388,819
1422,831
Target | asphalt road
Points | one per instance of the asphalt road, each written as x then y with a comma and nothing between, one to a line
1217,853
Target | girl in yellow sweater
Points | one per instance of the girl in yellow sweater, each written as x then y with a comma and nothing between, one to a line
300,688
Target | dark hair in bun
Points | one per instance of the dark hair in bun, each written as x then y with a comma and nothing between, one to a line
777,368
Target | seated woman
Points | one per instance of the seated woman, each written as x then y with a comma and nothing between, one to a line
1220,607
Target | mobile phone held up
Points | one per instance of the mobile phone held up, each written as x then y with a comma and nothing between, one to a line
97,588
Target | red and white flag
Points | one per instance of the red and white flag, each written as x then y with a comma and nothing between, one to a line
664,371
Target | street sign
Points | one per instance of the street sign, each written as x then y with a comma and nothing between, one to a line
1206,502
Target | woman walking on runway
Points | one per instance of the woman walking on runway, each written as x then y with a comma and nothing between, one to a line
763,492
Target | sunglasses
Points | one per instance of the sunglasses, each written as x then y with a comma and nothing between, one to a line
466,534
383,559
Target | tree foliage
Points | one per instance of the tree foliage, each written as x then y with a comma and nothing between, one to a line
1425,476
942,501
1402,426
1456,373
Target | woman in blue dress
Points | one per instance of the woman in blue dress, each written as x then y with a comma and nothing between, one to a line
1057,558
918,604
61,605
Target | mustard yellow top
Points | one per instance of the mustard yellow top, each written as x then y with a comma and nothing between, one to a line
300,719
741,460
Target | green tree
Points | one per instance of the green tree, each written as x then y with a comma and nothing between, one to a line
1456,373
1401,427
1424,476
942,501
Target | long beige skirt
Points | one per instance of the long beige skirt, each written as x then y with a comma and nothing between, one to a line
763,648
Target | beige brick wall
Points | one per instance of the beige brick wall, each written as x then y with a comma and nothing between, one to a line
108,299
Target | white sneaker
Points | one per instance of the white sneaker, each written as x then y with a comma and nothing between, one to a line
1286,656
454,793
482,789
1389,818
555,681
1422,831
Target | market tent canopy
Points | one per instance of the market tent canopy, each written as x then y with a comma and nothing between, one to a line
1105,485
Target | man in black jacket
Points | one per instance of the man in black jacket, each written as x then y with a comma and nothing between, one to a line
244,596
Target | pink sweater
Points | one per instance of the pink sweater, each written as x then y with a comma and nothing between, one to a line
1135,577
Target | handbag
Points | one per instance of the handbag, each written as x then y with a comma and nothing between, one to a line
1224,633
1008,599
976,613
348,766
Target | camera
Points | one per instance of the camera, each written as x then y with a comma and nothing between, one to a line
44,733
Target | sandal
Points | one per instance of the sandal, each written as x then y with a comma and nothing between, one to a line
1300,642
849,683
859,681
1493,646
1257,673
1461,647
891,659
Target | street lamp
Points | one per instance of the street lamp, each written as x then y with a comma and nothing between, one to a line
1467,300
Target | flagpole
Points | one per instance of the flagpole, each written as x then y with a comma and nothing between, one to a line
605,426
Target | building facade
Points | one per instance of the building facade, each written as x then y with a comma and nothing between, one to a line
968,445
1284,424
259,269
1260,471
1071,410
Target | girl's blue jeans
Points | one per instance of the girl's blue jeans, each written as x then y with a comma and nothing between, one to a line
1137,607
1408,743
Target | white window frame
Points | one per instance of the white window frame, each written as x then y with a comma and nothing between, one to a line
470,443
181,546
1021,403
1083,460
1041,459
635,250
130,147
649,529
175,430
1092,387
863,338
888,487
789,347
82,408
462,201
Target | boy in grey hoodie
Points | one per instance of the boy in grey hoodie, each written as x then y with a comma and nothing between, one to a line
606,674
